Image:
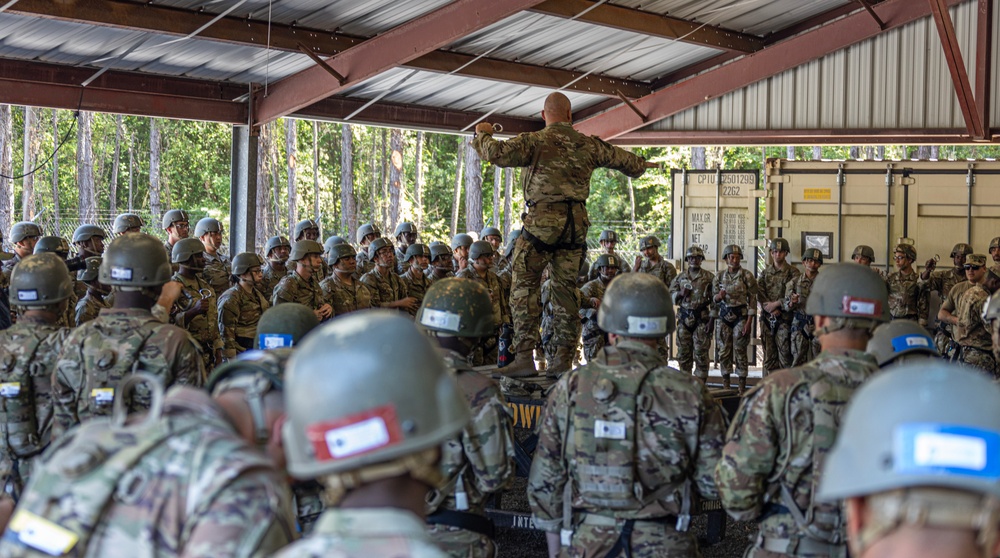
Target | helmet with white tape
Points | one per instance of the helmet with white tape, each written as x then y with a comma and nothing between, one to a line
852,293
637,305
458,307
893,341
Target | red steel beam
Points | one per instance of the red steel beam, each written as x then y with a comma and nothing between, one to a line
827,136
788,54
384,52
984,64
959,76
648,23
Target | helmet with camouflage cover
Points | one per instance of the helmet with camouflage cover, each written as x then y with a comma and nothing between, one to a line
333,241
244,261
126,221
779,245
416,250
338,251
24,229
898,338
440,250
480,248
90,272
275,242
850,291
303,248
256,374
207,225
173,216
84,233
185,248
608,235
694,252
135,260
52,245
378,244
302,226
864,251
514,235
380,421
812,254
732,249
404,228
649,242
607,260
458,307
919,444
637,305
991,309
995,243
365,230
461,239
907,250
490,231
961,249
284,325
40,280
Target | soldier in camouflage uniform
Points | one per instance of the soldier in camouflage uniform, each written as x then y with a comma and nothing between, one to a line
493,236
186,480
306,229
480,262
901,342
177,225
276,252
95,299
327,245
995,250
375,487
40,287
89,243
98,354
776,322
4,284
865,255
949,303
341,288
608,241
593,338
23,237
692,293
480,461
991,315
60,247
805,346
560,161
966,313
650,261
127,223
907,296
196,309
365,235
460,244
442,265
735,293
417,258
388,290
628,440
301,284
405,235
942,281
769,473
241,307
218,269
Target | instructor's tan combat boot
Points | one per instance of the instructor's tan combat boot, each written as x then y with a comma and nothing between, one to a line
743,385
726,384
522,367
562,362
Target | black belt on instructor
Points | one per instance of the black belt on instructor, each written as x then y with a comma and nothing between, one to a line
463,520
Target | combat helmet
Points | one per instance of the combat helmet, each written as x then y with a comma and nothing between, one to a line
126,221
284,325
275,242
732,249
24,229
893,340
514,235
907,250
302,226
480,248
918,441
461,239
382,420
778,245
458,307
694,252
864,251
40,280
608,235
961,248
404,228
135,260
333,241
254,373
995,243
303,248
637,305
490,231
416,249
89,273
850,291
378,244
173,216
607,260
339,251
185,248
365,230
440,250
244,261
207,225
84,233
649,242
812,254
52,245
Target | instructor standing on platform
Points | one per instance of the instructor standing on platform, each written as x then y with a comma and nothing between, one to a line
556,185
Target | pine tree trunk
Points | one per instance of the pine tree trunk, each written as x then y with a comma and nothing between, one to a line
395,176
6,168
497,185
272,135
817,152
698,158
869,153
383,181
855,152
631,200
28,180
473,189
55,170
291,149
131,175
924,152
935,151
113,190
316,172
85,168
880,151
458,185
264,229
154,168
418,185
375,181
348,206
790,152
508,195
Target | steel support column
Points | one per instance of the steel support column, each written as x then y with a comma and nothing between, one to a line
243,192
984,64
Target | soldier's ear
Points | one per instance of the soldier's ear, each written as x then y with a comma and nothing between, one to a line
854,509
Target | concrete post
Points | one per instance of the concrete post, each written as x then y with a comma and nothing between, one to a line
243,192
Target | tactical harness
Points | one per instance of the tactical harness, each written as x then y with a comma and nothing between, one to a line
109,367
18,416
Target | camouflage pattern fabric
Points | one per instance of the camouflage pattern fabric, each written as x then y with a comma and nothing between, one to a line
555,188
416,284
89,307
551,338
677,443
623,267
433,276
693,318
593,337
487,353
29,349
907,297
272,276
401,266
741,292
364,263
762,457
663,270
942,281
294,288
384,288
478,463
346,298
203,491
365,533
775,333
239,312
805,346
950,303
217,272
204,328
90,364
972,333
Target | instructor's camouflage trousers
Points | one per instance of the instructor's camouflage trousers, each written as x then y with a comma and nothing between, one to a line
981,359
648,540
692,349
804,348
525,294
732,345
777,345
460,543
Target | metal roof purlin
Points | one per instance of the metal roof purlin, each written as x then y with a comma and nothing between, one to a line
755,67
984,63
383,52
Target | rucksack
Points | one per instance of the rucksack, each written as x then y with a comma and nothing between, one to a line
108,357
18,415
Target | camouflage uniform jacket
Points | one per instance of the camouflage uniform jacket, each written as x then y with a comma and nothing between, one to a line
594,289
203,327
700,285
401,266
802,286
217,271
385,288
346,298
907,296
501,308
761,455
431,276
950,301
168,352
204,492
293,288
943,280
272,276
363,262
365,533
741,289
771,286
662,270
416,284
239,312
90,306
684,427
561,161
971,330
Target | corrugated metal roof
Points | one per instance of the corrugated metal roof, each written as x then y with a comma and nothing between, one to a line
756,17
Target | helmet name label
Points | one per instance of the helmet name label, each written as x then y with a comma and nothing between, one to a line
904,342
647,325
10,389
27,295
276,341
441,319
935,449
121,273
356,434
866,307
